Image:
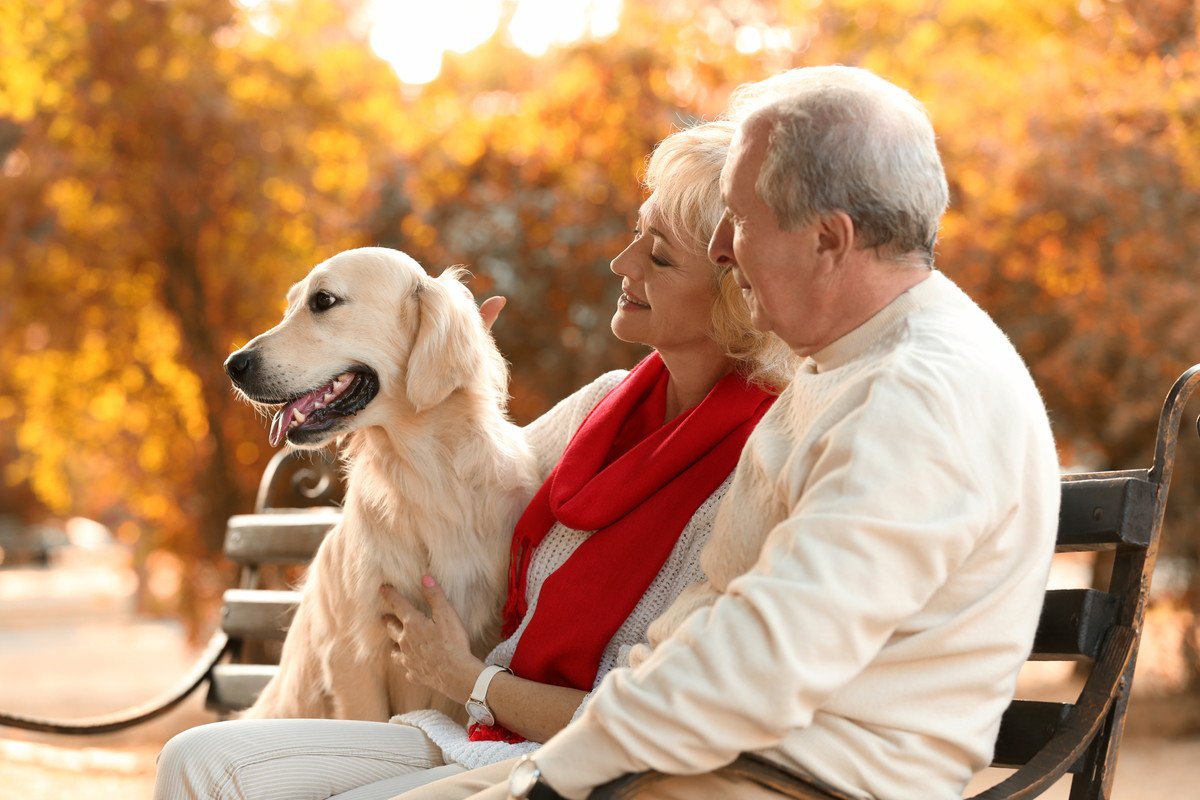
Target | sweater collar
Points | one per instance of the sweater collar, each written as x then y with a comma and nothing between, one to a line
886,320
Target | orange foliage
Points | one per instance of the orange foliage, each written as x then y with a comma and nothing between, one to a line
168,171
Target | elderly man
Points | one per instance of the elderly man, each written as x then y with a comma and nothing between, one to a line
876,571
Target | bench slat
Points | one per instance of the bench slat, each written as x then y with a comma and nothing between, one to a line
1073,624
258,613
1024,730
278,537
234,687
1105,513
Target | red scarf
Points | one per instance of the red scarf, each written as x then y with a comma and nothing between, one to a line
636,483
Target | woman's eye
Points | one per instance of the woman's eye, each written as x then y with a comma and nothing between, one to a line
322,301
659,260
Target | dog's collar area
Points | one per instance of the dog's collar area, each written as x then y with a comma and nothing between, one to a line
319,409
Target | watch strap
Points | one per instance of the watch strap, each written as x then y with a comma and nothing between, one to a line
479,692
542,791
525,782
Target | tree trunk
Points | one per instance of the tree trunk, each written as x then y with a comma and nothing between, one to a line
219,494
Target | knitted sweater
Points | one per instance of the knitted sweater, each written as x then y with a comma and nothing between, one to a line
548,437
875,574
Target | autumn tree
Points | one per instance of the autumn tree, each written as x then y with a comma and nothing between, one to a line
166,179
170,168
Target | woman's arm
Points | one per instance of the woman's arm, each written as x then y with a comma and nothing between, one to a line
535,710
435,651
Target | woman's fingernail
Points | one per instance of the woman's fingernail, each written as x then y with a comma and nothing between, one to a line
429,581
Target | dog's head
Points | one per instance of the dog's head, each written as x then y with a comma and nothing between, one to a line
366,336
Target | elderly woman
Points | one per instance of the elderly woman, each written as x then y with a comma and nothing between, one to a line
635,465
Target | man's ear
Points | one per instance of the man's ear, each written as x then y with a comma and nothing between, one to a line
443,355
835,236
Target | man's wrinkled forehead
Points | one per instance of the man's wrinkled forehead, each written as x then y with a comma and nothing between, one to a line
731,157
739,151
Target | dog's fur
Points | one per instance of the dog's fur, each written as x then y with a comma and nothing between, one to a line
436,474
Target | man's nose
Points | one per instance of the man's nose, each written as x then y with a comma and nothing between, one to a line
241,364
720,246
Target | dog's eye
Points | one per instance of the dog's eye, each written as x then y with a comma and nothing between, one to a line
321,301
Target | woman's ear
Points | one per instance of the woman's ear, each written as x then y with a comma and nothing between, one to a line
444,353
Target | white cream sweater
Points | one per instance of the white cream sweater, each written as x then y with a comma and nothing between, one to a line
875,574
548,437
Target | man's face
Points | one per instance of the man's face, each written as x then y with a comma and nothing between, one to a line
773,266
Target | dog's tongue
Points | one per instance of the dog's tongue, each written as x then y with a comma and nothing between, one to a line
283,417
305,405
279,427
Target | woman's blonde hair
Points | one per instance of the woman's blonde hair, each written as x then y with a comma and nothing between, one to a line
684,174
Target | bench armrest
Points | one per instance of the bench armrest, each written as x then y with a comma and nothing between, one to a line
1080,727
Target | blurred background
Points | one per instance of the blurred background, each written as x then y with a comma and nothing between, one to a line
169,167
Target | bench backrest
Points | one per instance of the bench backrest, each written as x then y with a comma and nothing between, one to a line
1122,512
1100,511
297,505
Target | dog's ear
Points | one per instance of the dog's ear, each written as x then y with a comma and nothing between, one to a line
446,349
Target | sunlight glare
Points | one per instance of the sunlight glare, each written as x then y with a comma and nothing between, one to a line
540,24
413,37
260,16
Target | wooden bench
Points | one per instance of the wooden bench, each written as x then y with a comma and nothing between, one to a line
1118,511
296,506
1121,511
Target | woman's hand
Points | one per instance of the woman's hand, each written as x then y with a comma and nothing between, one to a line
434,651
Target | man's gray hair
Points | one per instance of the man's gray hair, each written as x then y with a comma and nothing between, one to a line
844,139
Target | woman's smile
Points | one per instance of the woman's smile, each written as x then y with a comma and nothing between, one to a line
630,301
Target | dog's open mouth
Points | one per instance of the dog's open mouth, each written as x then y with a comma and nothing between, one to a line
321,408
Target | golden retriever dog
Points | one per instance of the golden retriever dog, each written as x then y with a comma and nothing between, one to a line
400,368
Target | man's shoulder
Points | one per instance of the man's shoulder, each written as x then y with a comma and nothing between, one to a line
952,345
944,366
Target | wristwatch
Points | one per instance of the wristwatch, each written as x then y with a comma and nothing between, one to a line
525,782
477,707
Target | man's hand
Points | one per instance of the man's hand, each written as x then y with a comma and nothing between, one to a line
434,651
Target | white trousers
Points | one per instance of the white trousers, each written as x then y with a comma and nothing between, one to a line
321,759
297,759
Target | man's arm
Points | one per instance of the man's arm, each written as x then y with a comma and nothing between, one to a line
886,515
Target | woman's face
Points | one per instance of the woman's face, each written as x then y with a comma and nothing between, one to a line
667,291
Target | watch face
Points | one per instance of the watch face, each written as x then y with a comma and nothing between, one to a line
480,713
524,777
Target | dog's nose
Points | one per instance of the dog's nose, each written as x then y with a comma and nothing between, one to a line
239,365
